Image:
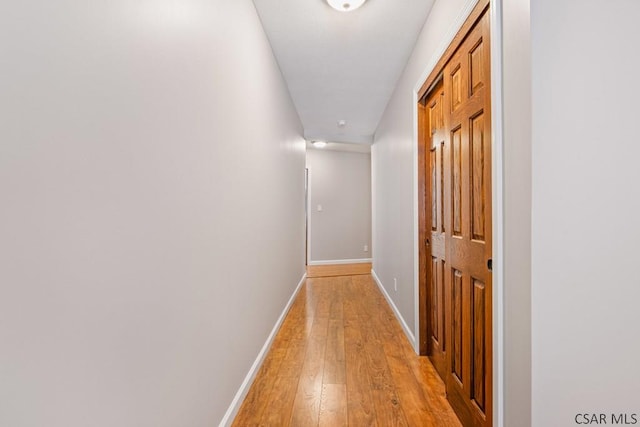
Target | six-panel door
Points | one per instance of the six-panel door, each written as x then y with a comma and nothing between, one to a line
459,199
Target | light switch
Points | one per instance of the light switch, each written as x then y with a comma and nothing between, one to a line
319,208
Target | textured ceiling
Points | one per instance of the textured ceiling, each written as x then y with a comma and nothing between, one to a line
342,66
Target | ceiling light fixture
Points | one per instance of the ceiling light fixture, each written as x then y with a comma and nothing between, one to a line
319,144
345,5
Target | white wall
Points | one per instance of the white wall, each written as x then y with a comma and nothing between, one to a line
340,182
152,223
586,207
393,167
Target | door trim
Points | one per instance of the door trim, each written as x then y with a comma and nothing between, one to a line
307,216
421,87
497,194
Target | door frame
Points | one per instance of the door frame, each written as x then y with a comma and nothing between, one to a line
439,58
307,216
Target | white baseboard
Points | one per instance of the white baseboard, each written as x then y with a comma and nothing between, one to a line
231,413
340,261
405,327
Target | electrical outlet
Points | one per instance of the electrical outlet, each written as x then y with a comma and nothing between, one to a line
366,248
395,284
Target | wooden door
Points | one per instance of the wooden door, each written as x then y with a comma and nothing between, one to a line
435,236
455,220
468,227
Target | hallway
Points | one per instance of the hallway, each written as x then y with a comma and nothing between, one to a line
341,358
158,201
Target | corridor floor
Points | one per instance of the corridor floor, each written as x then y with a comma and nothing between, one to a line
342,359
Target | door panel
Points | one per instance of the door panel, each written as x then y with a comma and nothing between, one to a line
477,162
456,189
457,288
478,317
455,221
468,245
436,241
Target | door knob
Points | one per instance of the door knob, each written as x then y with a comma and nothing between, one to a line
427,242
490,264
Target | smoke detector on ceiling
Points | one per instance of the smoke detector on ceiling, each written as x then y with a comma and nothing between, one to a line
345,5
342,123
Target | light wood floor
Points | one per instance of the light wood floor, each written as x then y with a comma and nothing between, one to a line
342,359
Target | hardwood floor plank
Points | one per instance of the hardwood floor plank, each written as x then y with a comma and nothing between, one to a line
334,368
280,402
333,410
337,286
323,308
342,358
293,359
379,374
388,410
360,406
306,408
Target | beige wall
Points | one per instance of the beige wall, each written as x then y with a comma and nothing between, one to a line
340,182
149,237
392,158
585,175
